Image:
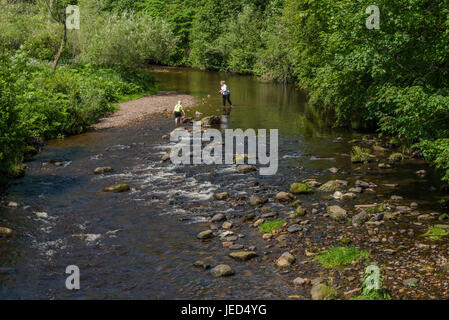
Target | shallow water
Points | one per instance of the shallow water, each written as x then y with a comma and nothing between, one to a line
141,244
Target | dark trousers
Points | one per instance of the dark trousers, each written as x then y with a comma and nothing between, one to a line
228,98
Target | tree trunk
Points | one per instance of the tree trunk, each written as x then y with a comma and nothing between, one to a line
61,47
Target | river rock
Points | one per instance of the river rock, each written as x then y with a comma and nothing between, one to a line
258,222
210,121
201,264
165,157
379,216
236,247
269,215
294,228
331,186
222,270
320,291
396,157
117,188
362,184
6,232
207,234
285,260
337,195
337,212
221,196
425,217
421,173
243,255
349,195
12,204
411,282
360,218
218,217
299,281
102,170
396,198
246,168
256,200
313,183
333,170
226,225
283,197
356,190
300,188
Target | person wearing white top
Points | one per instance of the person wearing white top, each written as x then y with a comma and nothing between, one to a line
225,93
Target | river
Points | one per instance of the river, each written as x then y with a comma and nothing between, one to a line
141,244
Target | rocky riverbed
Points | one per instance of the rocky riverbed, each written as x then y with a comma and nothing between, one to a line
139,226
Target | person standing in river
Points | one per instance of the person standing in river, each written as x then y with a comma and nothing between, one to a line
225,93
178,113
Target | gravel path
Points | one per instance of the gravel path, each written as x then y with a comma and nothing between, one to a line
137,110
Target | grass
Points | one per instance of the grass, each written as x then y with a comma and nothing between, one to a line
359,154
375,209
270,226
435,233
341,256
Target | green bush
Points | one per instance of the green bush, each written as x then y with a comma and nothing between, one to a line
125,41
35,102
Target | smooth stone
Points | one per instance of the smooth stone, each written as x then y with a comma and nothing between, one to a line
222,270
221,196
205,234
102,170
218,217
243,255
236,247
294,228
6,232
299,281
283,197
201,264
337,212
117,188
285,260
360,218
226,225
245,168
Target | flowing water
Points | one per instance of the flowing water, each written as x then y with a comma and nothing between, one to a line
141,244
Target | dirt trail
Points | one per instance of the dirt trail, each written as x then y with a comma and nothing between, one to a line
137,110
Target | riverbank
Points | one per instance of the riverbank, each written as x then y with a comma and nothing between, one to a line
137,110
